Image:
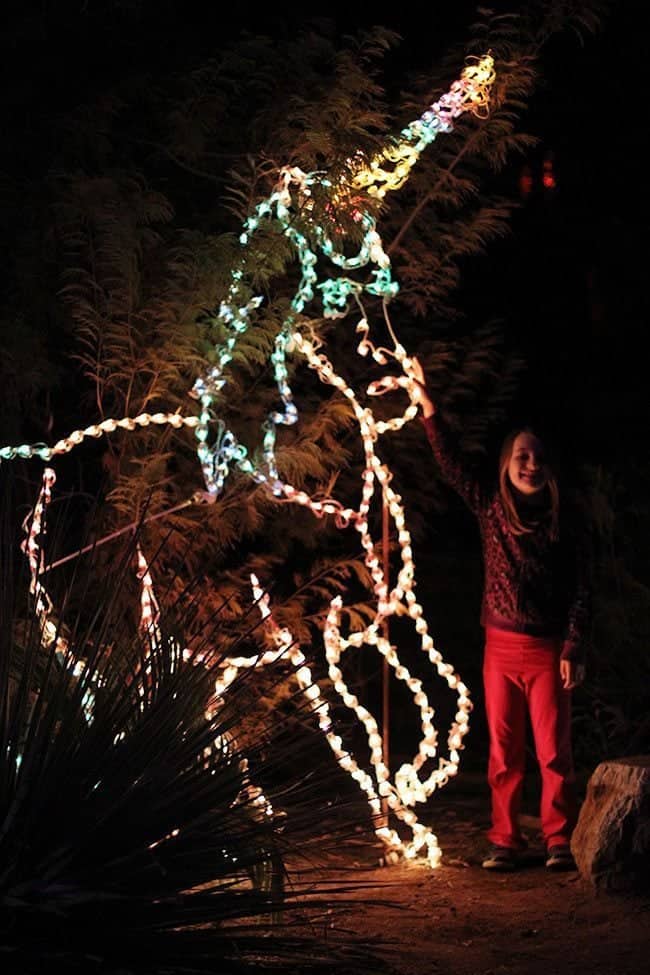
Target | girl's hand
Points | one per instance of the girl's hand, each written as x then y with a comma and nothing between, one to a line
428,409
571,674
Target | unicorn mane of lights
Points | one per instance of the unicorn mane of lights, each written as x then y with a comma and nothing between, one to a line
291,207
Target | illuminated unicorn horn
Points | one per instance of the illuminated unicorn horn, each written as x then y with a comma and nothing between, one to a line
470,93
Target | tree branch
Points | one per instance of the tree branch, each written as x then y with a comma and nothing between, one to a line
417,209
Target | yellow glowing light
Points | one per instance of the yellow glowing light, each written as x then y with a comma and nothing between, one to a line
390,169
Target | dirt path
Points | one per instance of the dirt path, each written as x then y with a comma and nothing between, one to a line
463,920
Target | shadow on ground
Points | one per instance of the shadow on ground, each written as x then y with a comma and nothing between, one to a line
462,920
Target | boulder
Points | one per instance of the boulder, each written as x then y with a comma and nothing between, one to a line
611,842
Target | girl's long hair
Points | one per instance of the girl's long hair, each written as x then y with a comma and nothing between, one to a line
519,524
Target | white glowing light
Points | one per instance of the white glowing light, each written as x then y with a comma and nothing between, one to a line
33,526
149,608
66,444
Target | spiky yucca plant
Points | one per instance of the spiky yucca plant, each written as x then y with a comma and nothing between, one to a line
131,837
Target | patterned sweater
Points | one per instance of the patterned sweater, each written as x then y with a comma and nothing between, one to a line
532,583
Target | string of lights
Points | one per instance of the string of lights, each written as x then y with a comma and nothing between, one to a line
34,526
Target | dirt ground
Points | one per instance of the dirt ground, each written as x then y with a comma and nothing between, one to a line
462,920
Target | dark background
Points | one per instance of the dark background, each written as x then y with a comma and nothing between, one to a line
569,282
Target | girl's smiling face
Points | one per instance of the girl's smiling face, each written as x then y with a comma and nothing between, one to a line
527,467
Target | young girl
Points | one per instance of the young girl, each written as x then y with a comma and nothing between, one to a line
535,615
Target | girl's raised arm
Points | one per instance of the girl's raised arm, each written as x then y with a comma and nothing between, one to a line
449,460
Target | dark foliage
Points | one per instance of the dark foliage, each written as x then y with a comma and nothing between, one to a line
132,834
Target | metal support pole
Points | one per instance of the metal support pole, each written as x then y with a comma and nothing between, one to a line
385,671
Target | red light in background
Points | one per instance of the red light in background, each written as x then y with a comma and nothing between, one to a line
532,180
526,181
548,177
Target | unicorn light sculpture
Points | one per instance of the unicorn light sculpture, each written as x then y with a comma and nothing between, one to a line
291,208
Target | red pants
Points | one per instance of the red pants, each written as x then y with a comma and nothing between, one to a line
522,672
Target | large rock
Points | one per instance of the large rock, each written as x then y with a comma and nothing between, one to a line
611,842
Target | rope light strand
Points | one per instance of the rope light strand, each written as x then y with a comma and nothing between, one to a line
64,446
34,527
